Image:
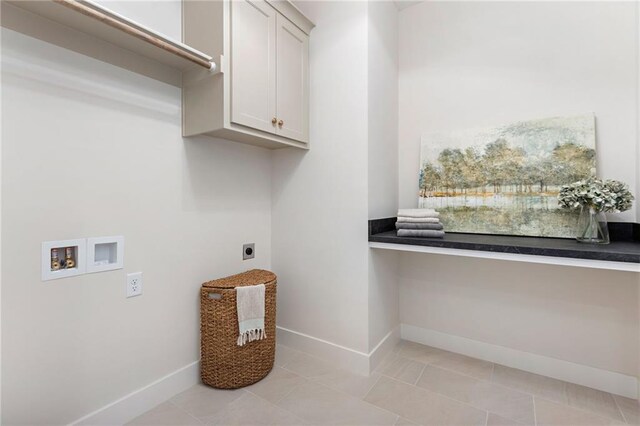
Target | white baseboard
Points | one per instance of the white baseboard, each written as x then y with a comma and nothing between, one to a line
383,348
138,402
343,357
608,381
142,400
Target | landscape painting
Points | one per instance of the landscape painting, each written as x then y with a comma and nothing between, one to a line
506,179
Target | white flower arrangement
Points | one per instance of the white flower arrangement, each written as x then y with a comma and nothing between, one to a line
600,196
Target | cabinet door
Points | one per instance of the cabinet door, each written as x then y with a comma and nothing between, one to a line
253,66
292,87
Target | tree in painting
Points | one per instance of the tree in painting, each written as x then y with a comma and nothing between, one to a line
506,180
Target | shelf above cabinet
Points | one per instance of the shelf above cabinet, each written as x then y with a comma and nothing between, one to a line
99,22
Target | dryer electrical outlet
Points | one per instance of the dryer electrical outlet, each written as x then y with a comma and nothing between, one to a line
248,251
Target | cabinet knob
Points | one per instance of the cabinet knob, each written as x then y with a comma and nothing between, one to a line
280,123
274,120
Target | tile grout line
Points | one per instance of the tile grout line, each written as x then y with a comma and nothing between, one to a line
438,394
374,385
431,364
597,414
581,410
615,401
533,396
486,419
504,386
185,411
298,374
500,385
287,411
457,400
174,405
310,380
489,380
290,391
357,399
421,364
288,348
424,368
268,402
170,400
460,373
274,404
315,378
564,392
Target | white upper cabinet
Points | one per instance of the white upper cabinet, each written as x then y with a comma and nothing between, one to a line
261,95
253,64
292,86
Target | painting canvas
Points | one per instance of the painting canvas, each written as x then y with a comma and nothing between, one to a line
505,180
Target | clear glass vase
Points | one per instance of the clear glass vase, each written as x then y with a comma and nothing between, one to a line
592,226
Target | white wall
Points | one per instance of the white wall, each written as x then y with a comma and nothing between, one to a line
319,211
585,316
89,149
467,65
163,16
0,240
332,289
383,108
383,162
475,64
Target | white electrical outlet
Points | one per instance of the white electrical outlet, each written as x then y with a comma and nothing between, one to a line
134,284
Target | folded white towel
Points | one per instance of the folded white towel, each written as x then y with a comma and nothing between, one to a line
418,219
250,306
418,213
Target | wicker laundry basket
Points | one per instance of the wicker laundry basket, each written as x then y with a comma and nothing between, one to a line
224,364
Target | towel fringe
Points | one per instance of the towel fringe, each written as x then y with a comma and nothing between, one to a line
251,335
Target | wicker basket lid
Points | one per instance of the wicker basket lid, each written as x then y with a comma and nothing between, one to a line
252,277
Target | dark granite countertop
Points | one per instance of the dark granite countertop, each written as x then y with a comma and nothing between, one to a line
623,248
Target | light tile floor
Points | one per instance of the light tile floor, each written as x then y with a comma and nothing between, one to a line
415,384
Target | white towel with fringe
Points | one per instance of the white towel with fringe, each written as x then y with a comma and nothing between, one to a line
418,213
250,306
